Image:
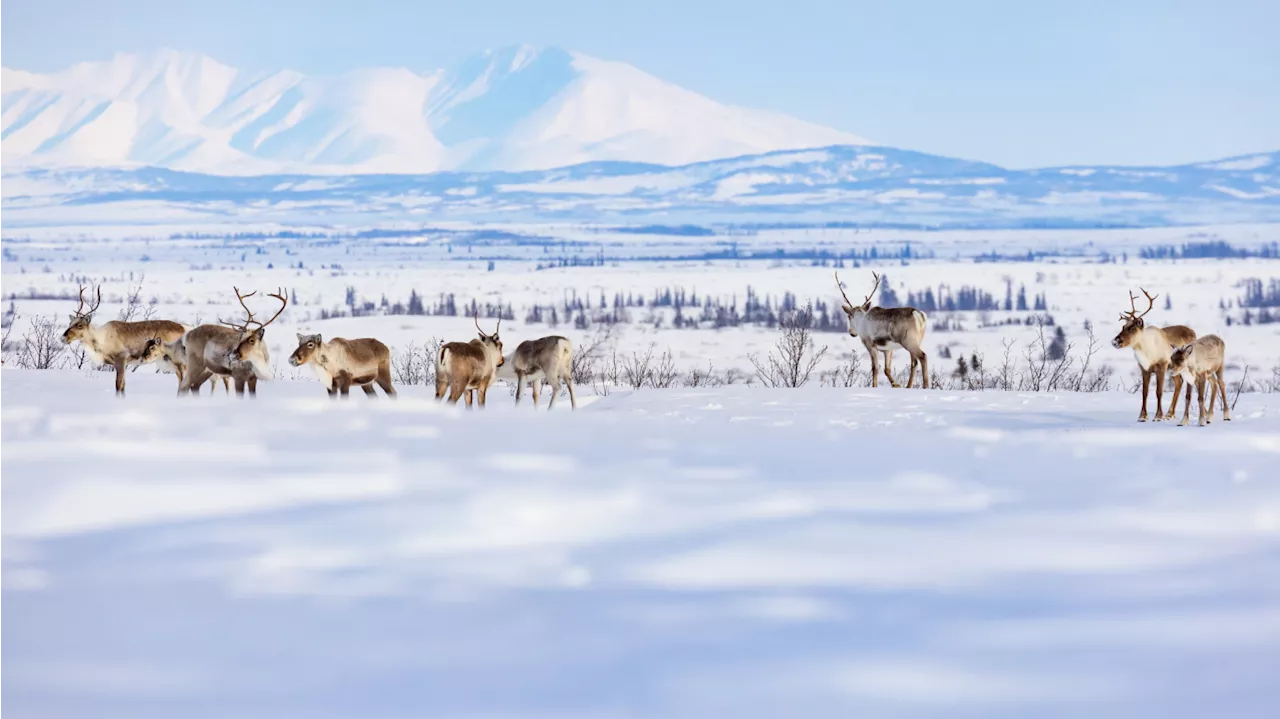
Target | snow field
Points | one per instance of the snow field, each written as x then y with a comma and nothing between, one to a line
676,553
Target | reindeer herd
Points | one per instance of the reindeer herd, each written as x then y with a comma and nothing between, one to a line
236,352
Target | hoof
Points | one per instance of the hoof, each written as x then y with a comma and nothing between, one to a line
1143,418
1183,423
897,386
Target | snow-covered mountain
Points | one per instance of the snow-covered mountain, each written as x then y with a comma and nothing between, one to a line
511,109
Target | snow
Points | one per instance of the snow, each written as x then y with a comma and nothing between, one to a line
659,553
515,108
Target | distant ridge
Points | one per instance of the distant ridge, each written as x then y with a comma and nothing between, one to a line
516,108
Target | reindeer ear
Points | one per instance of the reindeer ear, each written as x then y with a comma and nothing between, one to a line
848,310
301,338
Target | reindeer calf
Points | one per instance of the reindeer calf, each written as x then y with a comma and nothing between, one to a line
549,360
172,357
340,363
1198,362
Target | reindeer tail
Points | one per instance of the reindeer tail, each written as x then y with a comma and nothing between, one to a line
921,320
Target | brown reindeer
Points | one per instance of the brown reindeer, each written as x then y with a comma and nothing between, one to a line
116,343
549,360
1201,361
885,330
238,350
339,363
1152,347
463,366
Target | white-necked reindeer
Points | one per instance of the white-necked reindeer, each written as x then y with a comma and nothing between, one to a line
885,330
1199,362
549,360
1153,347
340,363
116,343
238,350
464,366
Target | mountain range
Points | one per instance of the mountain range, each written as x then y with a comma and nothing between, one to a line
517,108
866,185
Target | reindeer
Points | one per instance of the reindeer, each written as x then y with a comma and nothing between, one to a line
1197,362
115,343
339,363
1153,346
463,366
172,357
238,350
544,360
885,330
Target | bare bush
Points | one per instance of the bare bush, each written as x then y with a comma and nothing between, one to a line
637,370
42,346
587,355
134,308
848,374
697,377
664,373
795,355
415,364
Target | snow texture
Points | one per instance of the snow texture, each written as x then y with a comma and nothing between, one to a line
727,552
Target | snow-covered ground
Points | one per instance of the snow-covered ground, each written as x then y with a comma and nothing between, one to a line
192,280
696,553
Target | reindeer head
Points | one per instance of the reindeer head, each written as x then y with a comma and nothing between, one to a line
855,312
153,351
252,345
1133,324
81,319
491,342
308,345
1180,359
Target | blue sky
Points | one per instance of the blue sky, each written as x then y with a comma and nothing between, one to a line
1017,83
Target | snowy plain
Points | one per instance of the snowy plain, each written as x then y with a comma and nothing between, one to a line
665,552
730,551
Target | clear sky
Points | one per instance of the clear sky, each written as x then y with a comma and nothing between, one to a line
1022,84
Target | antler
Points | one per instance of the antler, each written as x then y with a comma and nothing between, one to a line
92,308
873,287
1132,314
476,318
284,302
840,287
1151,302
245,325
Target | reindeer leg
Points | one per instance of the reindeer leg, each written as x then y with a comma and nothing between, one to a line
119,364
239,386
1146,384
520,387
875,367
456,392
1200,399
911,376
483,391
442,385
924,368
384,379
536,387
573,401
252,381
555,391
1159,371
1186,409
344,384
888,368
1173,403
1226,408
